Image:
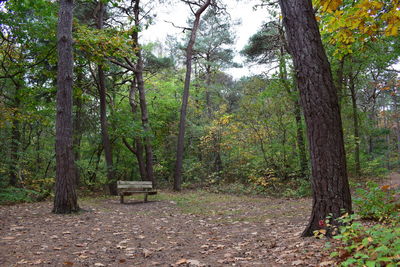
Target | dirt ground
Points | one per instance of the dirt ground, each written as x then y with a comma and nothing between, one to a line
188,229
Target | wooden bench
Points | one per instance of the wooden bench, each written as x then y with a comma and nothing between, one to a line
127,188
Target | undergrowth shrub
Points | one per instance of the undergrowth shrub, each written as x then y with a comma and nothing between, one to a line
300,188
377,203
13,195
370,246
366,245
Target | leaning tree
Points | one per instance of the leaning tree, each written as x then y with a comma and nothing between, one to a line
331,193
202,6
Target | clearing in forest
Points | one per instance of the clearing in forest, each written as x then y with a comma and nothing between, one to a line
186,229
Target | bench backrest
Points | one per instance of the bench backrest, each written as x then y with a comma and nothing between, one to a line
135,184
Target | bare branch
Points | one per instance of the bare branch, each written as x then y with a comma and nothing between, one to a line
128,67
179,27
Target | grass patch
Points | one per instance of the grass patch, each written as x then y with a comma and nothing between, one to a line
202,202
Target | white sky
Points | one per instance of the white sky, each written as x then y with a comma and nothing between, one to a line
242,10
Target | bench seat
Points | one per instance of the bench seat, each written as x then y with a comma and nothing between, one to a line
127,188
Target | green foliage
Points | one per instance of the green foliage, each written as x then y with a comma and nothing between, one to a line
378,245
377,203
237,189
301,188
12,195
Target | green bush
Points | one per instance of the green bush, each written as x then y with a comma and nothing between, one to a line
378,245
13,195
377,203
301,188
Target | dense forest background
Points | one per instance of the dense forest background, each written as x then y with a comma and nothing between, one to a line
242,135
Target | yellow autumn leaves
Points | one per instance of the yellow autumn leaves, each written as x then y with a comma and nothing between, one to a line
350,22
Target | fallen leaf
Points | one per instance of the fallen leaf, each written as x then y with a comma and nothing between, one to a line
57,248
181,261
122,260
99,264
147,253
68,263
194,262
326,263
298,262
17,228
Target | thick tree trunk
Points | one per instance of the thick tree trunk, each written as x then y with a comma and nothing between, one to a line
331,194
15,138
357,165
112,185
142,99
65,200
185,98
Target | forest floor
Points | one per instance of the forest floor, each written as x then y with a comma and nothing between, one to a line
193,228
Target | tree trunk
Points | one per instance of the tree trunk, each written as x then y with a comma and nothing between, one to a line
387,135
112,185
339,80
65,200
331,194
397,120
77,126
357,165
138,147
142,98
185,98
15,138
208,93
301,145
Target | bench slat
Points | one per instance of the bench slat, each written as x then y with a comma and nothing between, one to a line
134,192
120,186
135,187
136,182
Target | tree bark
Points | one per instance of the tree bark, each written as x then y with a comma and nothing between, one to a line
112,185
185,98
142,98
331,194
77,126
357,165
65,200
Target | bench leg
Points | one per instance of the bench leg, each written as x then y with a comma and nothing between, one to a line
122,199
145,197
